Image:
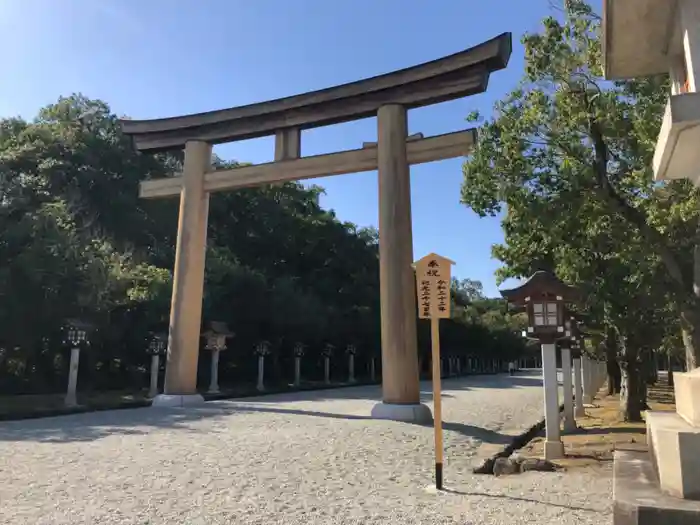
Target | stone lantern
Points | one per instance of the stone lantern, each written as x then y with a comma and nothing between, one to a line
261,350
215,338
77,334
157,345
544,298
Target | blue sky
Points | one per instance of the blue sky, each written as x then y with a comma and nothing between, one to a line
160,58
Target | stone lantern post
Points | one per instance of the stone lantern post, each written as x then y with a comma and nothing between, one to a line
351,350
544,297
215,338
156,347
568,388
299,349
261,350
579,409
77,337
327,353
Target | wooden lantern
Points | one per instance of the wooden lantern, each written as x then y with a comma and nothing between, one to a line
77,333
157,343
544,298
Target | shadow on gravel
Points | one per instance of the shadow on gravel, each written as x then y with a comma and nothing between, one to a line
525,378
93,426
482,434
98,425
527,500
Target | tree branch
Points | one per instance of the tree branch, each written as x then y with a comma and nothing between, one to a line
630,213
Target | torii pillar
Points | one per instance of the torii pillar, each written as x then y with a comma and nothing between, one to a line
400,376
180,387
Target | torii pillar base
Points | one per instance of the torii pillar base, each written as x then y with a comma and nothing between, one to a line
177,401
415,413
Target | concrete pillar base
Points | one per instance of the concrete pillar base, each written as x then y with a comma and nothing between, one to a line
418,413
553,450
177,400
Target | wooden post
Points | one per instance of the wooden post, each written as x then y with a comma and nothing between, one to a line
188,279
437,399
433,287
400,384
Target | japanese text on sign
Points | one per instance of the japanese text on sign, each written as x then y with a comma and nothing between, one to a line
442,297
433,268
433,286
425,296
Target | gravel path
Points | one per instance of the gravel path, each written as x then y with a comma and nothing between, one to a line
312,458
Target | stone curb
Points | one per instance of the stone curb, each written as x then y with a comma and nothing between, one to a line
518,442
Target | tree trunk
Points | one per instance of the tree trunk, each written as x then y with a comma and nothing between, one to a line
632,393
648,367
654,370
670,370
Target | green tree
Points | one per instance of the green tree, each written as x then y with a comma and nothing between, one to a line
568,156
76,241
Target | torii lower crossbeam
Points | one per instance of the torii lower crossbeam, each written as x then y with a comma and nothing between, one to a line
418,151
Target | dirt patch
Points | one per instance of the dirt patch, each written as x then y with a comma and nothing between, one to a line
602,431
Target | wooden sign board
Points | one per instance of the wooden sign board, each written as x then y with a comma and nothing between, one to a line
433,275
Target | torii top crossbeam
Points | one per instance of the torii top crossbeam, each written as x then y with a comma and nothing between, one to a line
448,78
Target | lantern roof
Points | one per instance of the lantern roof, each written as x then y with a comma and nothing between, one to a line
540,284
218,328
80,324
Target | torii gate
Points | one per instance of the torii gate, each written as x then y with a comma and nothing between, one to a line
388,97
